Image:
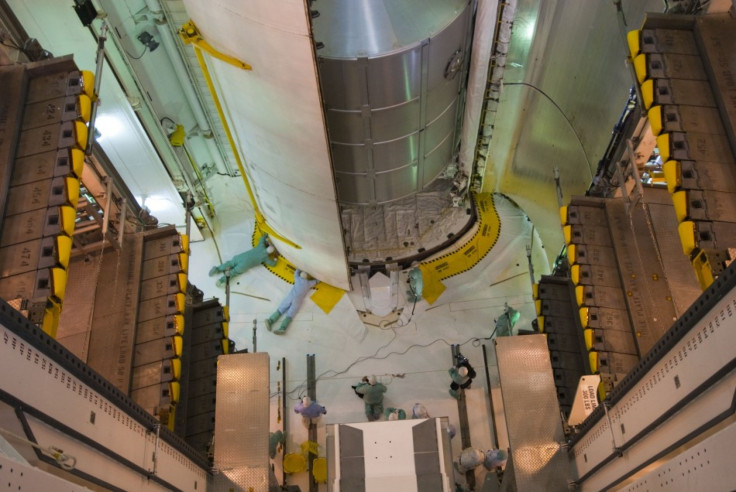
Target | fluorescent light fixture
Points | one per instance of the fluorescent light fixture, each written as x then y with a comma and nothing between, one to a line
107,126
157,204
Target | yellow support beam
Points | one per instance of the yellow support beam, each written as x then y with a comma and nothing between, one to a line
190,35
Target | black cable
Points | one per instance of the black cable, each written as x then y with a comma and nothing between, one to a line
136,57
375,356
14,46
563,115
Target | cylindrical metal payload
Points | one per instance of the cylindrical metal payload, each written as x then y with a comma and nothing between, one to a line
391,74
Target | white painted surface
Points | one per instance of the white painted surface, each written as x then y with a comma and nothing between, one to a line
586,399
71,402
486,12
22,476
411,357
275,113
389,451
380,286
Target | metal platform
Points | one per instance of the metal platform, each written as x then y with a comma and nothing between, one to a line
242,420
532,414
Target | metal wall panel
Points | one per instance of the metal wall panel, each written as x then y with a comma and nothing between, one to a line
243,396
532,414
380,93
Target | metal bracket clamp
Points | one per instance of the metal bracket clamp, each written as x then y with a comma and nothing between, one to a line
189,34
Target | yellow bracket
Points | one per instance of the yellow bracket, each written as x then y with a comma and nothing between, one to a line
190,35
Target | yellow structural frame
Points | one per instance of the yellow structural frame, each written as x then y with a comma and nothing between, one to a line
190,35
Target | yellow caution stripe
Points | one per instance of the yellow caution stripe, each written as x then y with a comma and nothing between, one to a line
178,345
575,274
68,218
77,158
181,302
567,233
686,230
663,144
175,368
703,270
640,67
468,255
71,184
50,322
84,107
633,38
588,336
179,323
182,281
584,319
433,271
593,359
680,201
171,418
572,253
184,261
58,283
655,119
580,295
647,93
673,175
88,83
63,250
174,391
80,130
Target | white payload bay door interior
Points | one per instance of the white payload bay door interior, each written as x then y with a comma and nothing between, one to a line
276,116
